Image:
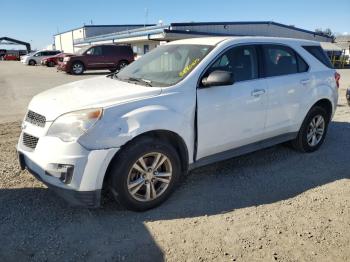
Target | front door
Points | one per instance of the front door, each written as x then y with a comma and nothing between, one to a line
95,58
234,115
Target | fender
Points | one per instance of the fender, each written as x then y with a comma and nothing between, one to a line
318,93
137,122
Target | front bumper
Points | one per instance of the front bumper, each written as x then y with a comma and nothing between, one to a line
63,67
90,199
89,167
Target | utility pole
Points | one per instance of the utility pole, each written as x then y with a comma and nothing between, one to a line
146,16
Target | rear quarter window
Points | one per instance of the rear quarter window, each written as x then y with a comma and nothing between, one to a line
125,50
319,54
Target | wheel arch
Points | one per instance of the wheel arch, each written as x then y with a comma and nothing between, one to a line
165,135
326,104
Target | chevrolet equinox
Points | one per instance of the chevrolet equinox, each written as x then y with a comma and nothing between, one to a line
183,105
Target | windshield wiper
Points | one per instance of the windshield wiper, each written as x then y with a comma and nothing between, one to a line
139,80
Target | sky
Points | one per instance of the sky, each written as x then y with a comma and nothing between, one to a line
36,21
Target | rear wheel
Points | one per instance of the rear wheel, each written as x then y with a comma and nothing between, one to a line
32,62
77,68
121,65
144,174
313,130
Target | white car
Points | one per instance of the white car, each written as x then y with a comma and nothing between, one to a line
183,105
36,57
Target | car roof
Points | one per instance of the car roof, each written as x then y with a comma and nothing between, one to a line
114,45
243,39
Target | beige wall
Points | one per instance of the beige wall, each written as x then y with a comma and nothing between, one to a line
139,46
65,40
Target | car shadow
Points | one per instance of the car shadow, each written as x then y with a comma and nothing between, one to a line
36,224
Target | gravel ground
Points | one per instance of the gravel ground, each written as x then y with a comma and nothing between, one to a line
272,205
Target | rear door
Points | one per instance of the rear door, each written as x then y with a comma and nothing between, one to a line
233,115
111,56
287,75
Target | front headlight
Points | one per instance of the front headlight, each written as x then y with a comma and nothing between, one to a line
66,59
69,127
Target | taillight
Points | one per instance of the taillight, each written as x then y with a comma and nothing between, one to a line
337,78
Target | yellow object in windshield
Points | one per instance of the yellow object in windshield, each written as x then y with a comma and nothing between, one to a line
189,67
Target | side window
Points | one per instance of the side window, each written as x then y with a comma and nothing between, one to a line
39,54
279,60
241,61
109,50
302,65
97,50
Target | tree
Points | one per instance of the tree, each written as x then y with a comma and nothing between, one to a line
326,32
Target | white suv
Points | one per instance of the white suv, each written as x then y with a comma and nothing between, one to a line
183,105
36,57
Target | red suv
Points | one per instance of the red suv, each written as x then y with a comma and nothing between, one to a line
98,57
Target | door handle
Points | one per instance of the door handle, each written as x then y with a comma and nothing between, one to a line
258,92
305,81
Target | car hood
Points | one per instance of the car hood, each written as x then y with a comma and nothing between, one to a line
90,93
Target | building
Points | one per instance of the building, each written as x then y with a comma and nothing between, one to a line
65,41
146,38
343,41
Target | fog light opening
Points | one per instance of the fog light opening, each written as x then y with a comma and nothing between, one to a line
63,172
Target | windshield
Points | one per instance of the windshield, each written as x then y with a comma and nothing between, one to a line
165,65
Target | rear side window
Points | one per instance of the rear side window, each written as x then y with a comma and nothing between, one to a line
302,65
124,50
279,60
318,53
109,50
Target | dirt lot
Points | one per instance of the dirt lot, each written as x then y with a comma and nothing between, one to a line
272,205
19,83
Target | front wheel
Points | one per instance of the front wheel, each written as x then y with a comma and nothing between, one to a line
313,130
144,174
121,65
32,63
77,68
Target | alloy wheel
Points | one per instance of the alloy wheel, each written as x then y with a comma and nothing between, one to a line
315,130
77,68
149,176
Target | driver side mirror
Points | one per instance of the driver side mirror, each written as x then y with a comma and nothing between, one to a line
218,78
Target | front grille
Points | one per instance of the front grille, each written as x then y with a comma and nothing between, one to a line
30,141
35,119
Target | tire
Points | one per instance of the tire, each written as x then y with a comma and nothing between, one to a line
309,138
123,174
32,62
121,65
77,68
